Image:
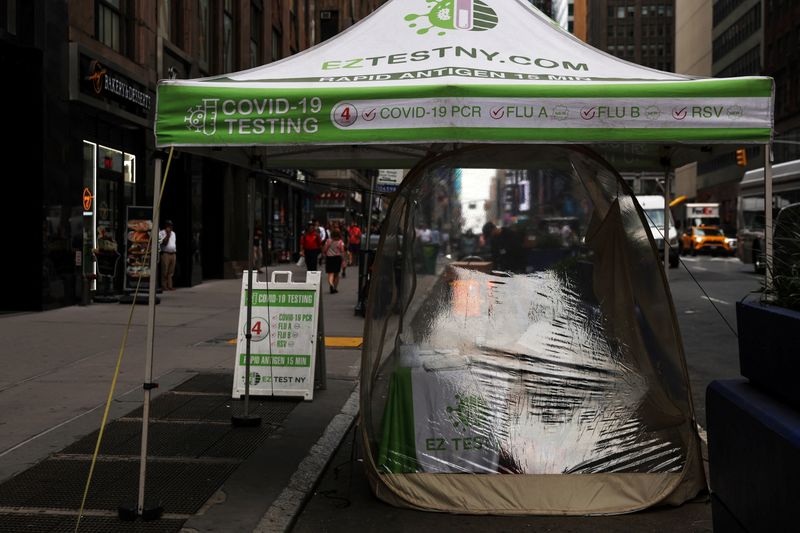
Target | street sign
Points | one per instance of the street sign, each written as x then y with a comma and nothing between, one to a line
389,180
283,337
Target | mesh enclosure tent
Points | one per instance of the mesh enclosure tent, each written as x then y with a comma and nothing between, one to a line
545,375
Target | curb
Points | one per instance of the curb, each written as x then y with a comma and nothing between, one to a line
288,505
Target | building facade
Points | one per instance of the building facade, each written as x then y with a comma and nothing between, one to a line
639,31
578,19
737,37
782,62
86,114
693,23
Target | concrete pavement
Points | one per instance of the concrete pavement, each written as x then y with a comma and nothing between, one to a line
59,365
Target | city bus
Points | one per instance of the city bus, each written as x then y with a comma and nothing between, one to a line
750,209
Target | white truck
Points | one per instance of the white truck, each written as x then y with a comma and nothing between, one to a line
653,207
694,215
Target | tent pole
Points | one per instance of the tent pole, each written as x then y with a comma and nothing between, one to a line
369,212
149,347
246,419
768,236
665,235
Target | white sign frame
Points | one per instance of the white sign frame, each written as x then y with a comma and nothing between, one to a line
290,380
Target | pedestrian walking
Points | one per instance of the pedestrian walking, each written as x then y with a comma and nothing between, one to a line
167,240
345,232
334,256
354,243
258,249
310,247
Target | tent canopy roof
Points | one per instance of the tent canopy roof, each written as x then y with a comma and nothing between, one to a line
418,72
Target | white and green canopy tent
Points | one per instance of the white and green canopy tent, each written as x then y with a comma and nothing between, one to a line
420,72
426,77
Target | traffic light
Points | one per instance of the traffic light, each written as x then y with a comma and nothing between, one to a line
741,157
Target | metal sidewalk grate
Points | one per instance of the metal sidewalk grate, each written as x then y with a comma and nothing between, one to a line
13,523
174,440
58,484
220,383
165,440
163,405
240,442
41,523
171,406
197,453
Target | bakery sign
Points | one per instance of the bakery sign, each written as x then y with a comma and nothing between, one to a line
103,82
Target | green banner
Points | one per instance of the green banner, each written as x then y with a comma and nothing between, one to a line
300,361
731,110
281,298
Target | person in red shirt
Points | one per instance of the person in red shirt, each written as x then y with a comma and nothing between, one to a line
354,243
310,247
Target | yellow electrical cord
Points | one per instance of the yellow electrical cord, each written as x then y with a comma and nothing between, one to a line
121,352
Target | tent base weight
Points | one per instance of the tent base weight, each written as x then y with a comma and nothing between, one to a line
249,421
128,512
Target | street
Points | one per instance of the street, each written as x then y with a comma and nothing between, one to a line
711,347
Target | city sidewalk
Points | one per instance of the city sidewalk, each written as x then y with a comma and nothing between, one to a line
298,471
59,366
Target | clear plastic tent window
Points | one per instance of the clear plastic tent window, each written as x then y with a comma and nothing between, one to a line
534,363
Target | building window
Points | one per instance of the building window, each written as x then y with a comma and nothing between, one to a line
110,24
276,44
203,31
329,24
723,8
256,18
737,33
176,23
294,29
621,12
170,21
8,16
747,65
227,36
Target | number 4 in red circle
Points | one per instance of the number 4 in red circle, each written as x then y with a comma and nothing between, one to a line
345,114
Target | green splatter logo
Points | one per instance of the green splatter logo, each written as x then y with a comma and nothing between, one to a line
452,15
469,413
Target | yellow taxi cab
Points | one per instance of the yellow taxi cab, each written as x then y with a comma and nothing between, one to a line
705,239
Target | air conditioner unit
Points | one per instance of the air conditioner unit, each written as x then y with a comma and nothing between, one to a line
325,15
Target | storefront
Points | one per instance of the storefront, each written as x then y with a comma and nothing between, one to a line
111,117
288,207
339,207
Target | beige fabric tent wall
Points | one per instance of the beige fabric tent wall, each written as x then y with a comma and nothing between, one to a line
630,293
418,78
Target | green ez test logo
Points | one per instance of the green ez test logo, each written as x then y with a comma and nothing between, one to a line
469,413
445,15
